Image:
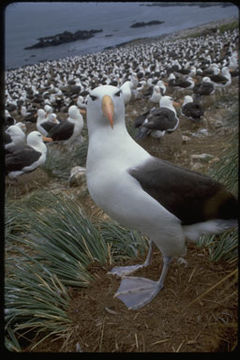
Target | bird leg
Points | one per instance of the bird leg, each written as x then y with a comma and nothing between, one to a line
136,292
125,270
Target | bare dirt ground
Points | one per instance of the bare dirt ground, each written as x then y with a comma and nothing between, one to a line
193,313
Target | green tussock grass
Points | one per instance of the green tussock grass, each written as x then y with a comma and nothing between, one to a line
60,159
48,249
225,246
35,301
229,27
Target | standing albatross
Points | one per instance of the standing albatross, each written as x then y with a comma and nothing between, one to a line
142,192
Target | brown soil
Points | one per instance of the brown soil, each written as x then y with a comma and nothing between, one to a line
193,313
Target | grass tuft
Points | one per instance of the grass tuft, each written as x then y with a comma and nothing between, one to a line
48,250
60,161
225,246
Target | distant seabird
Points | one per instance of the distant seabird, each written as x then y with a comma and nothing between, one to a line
8,119
206,87
70,129
81,102
165,202
192,109
28,116
156,95
160,120
46,123
162,86
14,136
48,111
26,158
221,78
187,83
127,91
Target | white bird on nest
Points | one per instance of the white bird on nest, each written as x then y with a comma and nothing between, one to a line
69,130
127,91
162,200
27,158
14,135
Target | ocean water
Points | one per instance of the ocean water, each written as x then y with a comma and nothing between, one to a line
26,22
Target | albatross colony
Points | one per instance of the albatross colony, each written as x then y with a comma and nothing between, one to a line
162,200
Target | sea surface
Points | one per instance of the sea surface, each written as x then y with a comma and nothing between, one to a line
26,22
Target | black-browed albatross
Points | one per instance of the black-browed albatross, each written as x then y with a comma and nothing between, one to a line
142,192
70,129
27,158
161,120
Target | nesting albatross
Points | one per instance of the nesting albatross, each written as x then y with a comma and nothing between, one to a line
192,108
14,136
27,158
159,121
70,129
162,200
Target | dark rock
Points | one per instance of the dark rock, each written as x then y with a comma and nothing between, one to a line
141,24
62,38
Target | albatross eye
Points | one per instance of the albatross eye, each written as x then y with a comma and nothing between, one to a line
118,93
93,97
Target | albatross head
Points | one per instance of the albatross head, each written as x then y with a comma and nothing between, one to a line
168,102
36,140
74,112
41,114
105,106
187,99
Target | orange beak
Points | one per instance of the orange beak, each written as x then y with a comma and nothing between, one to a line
108,109
177,104
83,111
47,139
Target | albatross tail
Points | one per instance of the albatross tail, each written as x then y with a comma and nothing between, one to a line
194,231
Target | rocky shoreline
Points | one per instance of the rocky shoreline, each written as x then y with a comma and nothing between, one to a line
149,23
166,36
210,27
63,38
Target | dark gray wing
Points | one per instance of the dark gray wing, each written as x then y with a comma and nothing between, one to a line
161,119
182,83
6,138
148,92
190,196
48,125
140,119
8,121
193,110
62,131
20,158
205,88
219,79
